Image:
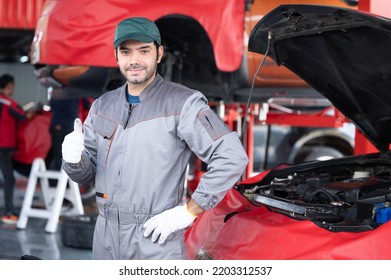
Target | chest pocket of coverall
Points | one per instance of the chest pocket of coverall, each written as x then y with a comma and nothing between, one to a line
105,129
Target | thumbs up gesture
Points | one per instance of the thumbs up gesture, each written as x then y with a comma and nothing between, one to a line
73,144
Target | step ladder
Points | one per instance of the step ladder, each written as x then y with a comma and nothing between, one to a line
53,196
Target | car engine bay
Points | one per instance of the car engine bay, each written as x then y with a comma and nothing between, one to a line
341,195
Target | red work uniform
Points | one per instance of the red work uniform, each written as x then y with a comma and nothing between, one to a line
10,114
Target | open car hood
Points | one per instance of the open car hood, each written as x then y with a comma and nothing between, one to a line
344,54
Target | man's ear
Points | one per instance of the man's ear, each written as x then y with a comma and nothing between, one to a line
116,54
160,52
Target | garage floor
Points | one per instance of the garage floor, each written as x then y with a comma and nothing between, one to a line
34,241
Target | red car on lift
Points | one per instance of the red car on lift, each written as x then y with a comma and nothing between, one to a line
335,209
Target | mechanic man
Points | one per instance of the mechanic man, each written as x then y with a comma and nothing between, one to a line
134,148
10,114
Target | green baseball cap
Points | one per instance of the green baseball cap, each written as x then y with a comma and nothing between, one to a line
139,29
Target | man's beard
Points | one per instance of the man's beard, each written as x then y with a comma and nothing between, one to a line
138,81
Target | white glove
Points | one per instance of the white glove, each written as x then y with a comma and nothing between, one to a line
168,222
73,144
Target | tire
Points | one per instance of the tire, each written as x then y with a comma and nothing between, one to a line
77,231
87,194
322,153
24,257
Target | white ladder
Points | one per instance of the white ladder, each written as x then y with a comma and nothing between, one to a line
53,196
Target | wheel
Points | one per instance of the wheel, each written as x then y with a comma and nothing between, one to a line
77,231
24,257
322,153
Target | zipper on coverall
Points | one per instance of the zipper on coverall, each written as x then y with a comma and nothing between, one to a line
104,195
128,117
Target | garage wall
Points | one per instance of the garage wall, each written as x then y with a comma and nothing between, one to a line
27,87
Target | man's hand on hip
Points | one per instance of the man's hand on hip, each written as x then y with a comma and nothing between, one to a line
73,144
167,222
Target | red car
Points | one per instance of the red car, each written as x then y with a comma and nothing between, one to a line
335,209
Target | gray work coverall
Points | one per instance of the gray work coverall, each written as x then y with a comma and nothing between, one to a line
138,157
